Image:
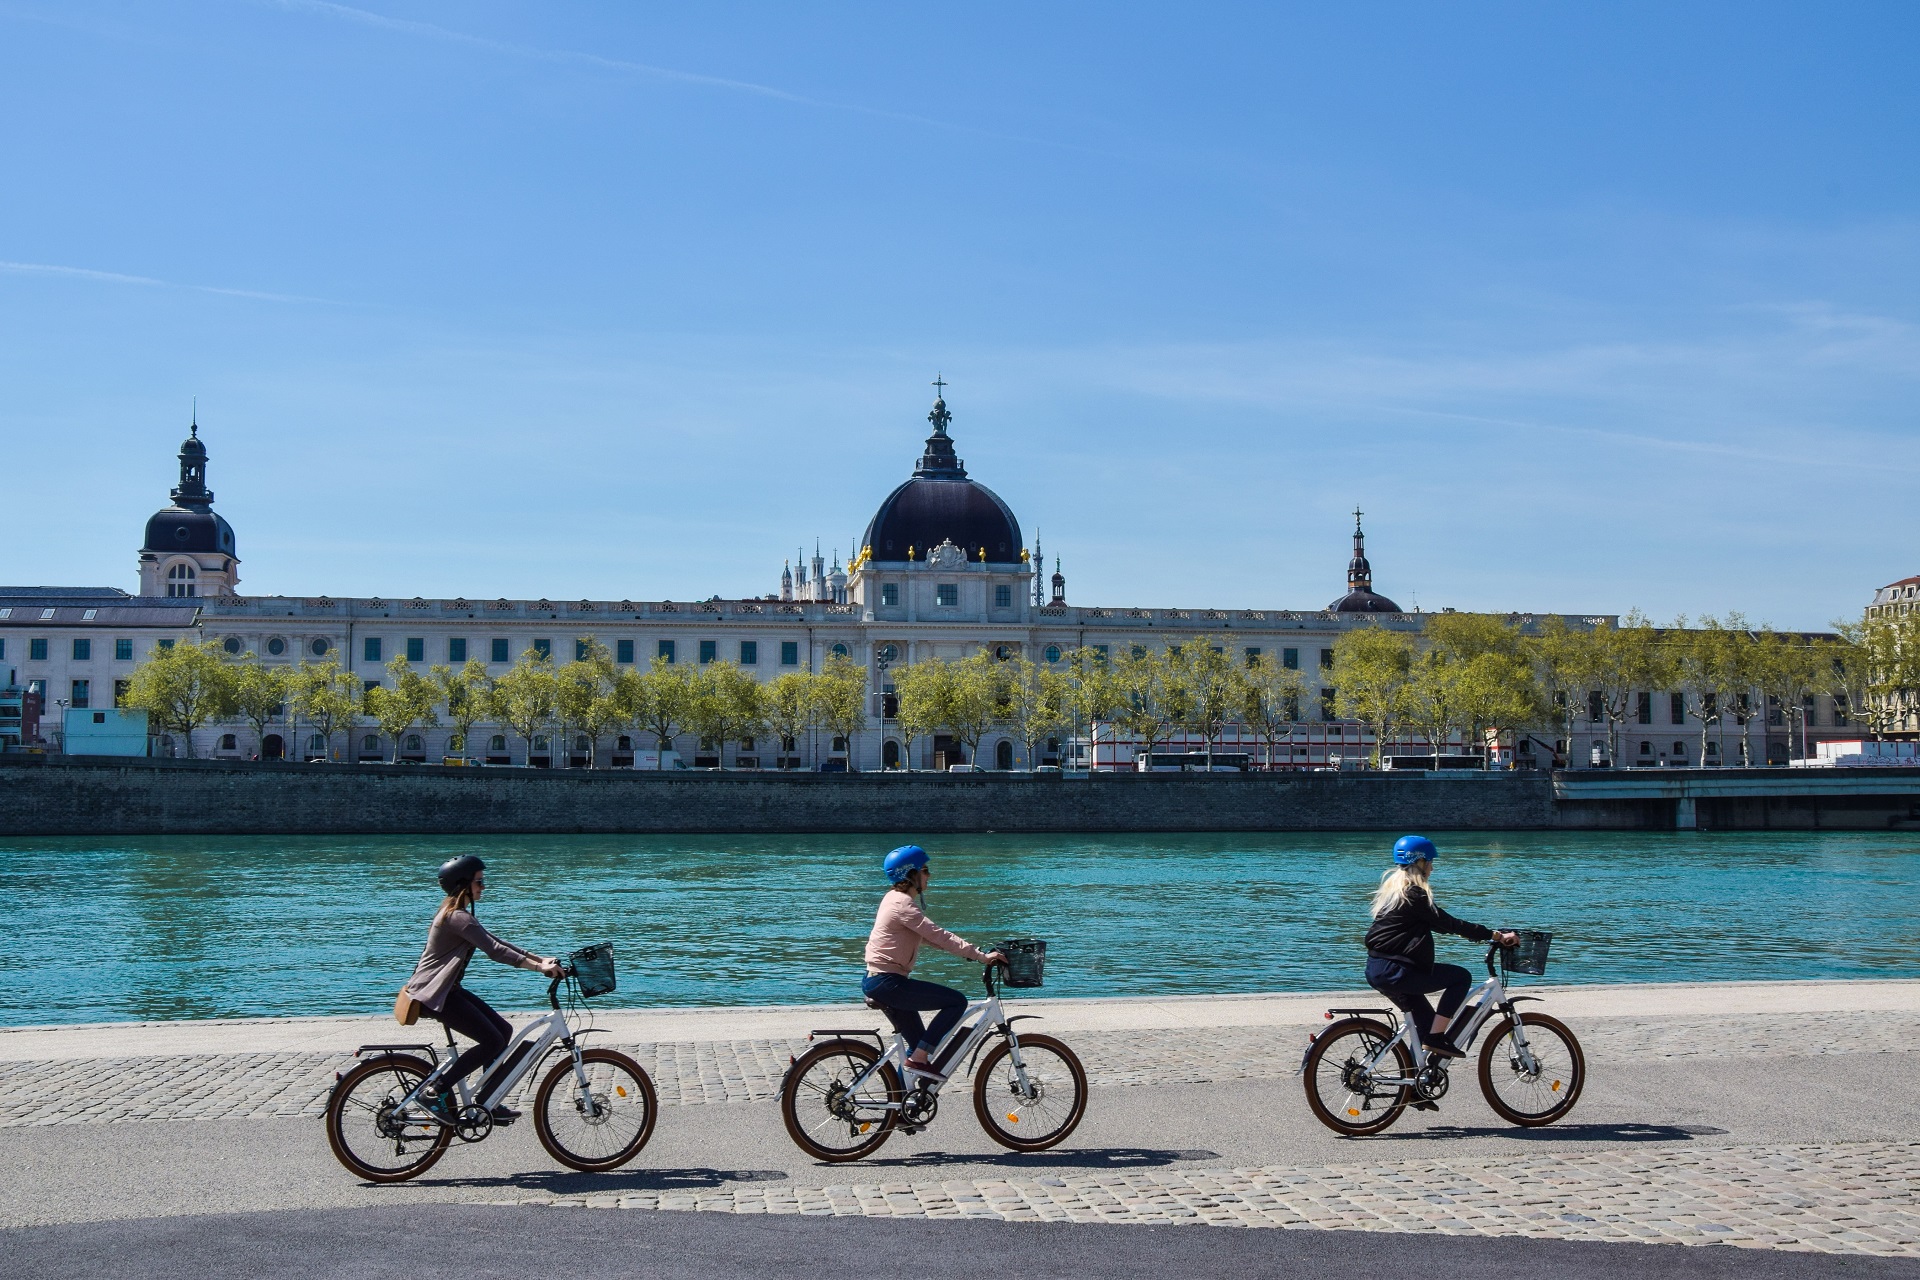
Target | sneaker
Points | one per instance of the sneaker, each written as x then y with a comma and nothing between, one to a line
504,1114
1426,1105
439,1106
926,1069
1442,1049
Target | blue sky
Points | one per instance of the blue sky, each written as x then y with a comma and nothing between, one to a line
1590,307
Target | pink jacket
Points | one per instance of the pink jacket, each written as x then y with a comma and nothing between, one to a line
898,928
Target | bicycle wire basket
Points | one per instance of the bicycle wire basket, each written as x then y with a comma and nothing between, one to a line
593,969
1529,955
1026,961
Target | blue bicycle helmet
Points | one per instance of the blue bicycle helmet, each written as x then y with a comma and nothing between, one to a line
1408,850
903,862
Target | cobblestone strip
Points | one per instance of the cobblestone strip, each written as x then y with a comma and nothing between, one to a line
1848,1198
188,1087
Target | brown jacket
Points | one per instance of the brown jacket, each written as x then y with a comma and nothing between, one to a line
451,942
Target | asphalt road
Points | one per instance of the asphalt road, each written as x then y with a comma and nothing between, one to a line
229,1197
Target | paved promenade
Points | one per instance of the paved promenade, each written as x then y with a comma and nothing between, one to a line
1776,1116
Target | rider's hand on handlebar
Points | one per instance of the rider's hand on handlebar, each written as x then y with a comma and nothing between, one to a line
552,969
995,957
1506,937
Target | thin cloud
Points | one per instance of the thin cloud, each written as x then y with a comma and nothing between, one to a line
118,277
433,31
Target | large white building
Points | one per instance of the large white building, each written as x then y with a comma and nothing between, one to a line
941,572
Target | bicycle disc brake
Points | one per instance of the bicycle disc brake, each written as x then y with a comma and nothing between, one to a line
473,1123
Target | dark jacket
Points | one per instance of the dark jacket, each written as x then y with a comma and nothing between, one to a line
1406,932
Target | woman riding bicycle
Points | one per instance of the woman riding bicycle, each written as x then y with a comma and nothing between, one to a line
451,941
899,927
1400,945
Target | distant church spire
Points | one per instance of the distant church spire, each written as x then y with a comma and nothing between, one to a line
1359,572
939,460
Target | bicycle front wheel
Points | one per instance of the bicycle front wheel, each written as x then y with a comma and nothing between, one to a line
1342,1077
1537,1092
1039,1113
826,1116
602,1126
367,1129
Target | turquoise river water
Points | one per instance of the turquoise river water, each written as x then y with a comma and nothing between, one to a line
196,927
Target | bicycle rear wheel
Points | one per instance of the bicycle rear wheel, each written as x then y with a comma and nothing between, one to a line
1547,1091
369,1133
1341,1089
1045,1112
603,1126
824,1116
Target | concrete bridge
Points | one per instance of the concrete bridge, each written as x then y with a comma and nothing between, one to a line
1691,799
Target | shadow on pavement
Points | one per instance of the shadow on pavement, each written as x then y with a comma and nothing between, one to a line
1095,1158
567,1183
1625,1132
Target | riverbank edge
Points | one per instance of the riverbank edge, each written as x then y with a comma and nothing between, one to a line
344,1033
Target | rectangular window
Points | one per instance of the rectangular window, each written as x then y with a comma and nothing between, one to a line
80,691
947,594
1326,659
1806,709
37,650
623,651
1643,711
709,650
1252,654
1290,659
120,688
83,650
122,651
749,653
666,650
543,649
1326,704
789,653
1100,650
580,650
1596,706
165,644
1003,597
416,649
370,648
499,653
1677,708
1775,715
3,648
456,650
889,593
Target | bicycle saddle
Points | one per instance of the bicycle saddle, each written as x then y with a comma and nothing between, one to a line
871,1003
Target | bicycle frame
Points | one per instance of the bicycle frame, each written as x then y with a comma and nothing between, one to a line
1481,1004
529,1047
983,1019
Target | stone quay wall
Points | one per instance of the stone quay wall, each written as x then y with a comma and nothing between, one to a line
94,796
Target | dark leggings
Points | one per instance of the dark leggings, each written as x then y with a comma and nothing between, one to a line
475,1019
899,998
1407,987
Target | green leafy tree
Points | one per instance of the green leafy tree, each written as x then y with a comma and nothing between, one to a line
1371,669
1148,698
1565,662
1623,661
1703,662
260,694
791,707
1497,694
1270,700
585,698
662,703
726,705
524,697
1431,700
1036,705
924,691
465,694
976,699
1208,690
328,698
183,688
1092,694
408,701
841,698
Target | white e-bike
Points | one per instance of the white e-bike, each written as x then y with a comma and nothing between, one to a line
593,1112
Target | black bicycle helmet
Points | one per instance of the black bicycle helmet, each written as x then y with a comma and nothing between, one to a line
456,872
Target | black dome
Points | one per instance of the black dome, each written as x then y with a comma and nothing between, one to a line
924,512
1363,602
178,529
939,504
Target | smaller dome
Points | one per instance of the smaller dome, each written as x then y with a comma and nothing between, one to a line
178,529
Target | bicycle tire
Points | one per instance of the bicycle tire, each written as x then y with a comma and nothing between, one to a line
1562,1090
816,1108
988,1109
1342,1116
405,1074
625,1085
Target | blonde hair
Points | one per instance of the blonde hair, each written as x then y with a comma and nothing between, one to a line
461,901
1398,882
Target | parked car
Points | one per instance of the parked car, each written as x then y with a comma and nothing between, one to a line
835,765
